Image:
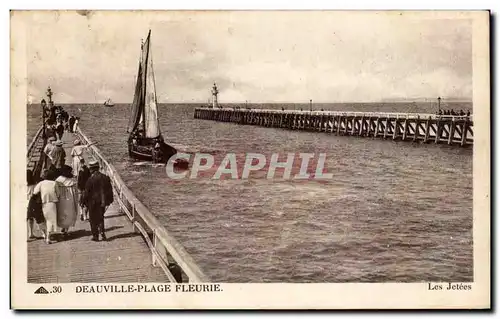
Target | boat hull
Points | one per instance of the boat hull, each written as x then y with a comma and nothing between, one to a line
144,150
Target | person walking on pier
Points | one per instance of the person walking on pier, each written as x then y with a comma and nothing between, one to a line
77,155
48,150
52,118
71,122
49,193
83,177
60,129
58,155
98,195
35,212
67,206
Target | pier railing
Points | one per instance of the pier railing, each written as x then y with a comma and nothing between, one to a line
35,162
31,147
164,247
397,115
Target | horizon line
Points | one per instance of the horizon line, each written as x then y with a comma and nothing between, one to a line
443,100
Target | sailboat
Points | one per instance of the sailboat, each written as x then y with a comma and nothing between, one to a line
145,141
108,102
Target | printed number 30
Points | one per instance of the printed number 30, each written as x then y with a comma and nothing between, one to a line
56,289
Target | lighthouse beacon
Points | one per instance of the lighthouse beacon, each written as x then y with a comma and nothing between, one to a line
49,95
215,92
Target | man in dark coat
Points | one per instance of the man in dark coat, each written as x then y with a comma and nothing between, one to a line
60,129
97,196
71,122
52,118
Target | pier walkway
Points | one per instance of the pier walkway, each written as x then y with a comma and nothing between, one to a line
413,127
138,248
123,258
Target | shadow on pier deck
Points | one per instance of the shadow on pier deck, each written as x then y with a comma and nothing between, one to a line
138,248
123,258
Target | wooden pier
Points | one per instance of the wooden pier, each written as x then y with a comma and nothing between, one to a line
413,127
138,248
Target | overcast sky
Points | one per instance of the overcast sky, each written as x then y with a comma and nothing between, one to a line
254,56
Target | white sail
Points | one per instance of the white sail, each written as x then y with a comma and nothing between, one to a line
152,125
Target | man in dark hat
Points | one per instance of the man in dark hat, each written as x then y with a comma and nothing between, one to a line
97,196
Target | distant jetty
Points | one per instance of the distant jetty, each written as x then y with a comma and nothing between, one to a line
413,127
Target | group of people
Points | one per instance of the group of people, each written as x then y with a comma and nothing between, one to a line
55,155
58,120
63,192
453,112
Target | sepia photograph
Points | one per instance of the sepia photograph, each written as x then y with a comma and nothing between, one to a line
203,153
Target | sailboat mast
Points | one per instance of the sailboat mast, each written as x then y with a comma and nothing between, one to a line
154,85
145,82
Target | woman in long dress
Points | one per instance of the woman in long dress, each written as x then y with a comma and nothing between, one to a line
77,155
67,206
34,208
49,192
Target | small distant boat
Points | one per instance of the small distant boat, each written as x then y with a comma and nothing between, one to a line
145,141
109,103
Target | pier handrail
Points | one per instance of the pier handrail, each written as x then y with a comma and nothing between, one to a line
162,242
397,115
33,143
37,166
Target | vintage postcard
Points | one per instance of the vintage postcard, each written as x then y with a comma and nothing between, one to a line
250,159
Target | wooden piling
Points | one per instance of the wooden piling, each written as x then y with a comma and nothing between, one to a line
464,133
427,130
452,132
396,129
